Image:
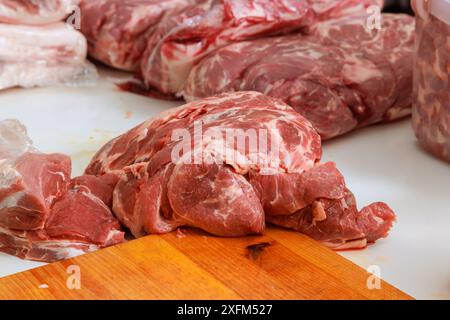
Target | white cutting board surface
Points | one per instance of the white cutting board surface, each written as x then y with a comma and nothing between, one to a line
381,163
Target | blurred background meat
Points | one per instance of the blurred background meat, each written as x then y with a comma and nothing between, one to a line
431,111
38,49
35,12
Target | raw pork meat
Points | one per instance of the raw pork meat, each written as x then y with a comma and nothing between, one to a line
35,12
183,169
43,55
118,30
332,9
183,40
431,110
44,215
340,77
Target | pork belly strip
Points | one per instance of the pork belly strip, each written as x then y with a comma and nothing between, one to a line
42,55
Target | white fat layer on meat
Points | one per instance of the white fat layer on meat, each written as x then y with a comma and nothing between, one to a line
54,54
48,11
112,234
49,44
12,201
65,250
349,244
14,140
62,249
58,173
359,71
8,175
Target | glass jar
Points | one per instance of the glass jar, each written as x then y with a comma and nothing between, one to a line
431,97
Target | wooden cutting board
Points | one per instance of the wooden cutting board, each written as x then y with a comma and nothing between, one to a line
192,265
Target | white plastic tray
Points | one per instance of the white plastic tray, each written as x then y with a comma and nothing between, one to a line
380,163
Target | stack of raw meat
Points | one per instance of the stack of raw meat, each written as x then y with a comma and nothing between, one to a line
44,215
318,56
254,161
37,49
173,174
335,67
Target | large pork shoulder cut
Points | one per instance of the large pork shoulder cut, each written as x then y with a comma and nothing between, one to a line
163,39
340,77
185,38
44,215
35,12
173,173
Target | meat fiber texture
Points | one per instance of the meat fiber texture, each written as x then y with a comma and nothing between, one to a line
37,49
35,12
44,215
184,39
118,30
341,76
431,109
183,169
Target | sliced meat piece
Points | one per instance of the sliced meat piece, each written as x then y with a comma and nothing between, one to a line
336,82
338,224
375,220
45,216
35,12
29,181
35,245
183,169
80,216
28,188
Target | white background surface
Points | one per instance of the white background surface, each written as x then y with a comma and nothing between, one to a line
381,163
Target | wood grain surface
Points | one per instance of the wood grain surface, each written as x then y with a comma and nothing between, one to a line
192,265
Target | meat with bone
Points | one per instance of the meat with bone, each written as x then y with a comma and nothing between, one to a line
43,55
340,77
183,39
35,12
192,166
118,30
431,109
44,215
